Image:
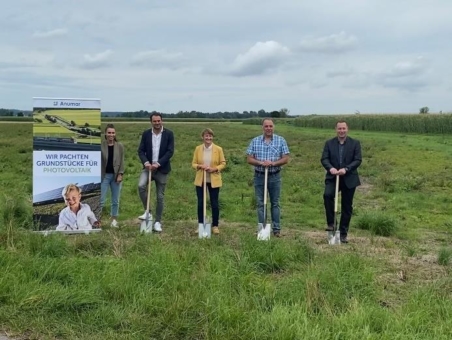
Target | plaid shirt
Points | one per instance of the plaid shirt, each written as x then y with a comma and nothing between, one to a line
272,151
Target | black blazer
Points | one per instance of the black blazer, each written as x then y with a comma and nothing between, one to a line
165,153
351,158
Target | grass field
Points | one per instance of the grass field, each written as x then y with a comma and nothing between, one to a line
50,129
42,127
120,285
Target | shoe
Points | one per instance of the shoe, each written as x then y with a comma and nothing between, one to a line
276,234
143,217
114,224
215,231
330,228
158,227
344,239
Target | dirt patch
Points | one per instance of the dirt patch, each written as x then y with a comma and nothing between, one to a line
402,262
366,187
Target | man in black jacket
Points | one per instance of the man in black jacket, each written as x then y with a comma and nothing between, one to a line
155,151
341,157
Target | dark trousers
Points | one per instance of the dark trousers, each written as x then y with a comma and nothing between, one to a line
214,193
346,204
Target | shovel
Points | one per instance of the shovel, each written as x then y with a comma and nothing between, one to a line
263,233
146,224
334,237
204,229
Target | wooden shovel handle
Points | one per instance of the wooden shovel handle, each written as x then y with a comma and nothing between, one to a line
336,194
204,196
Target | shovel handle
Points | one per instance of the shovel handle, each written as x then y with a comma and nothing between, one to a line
149,190
336,194
265,185
204,196
265,194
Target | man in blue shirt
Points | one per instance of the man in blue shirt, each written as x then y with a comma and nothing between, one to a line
268,151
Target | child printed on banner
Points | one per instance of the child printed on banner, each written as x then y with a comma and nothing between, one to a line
77,215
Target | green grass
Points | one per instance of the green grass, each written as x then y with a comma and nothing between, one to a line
122,285
378,223
444,256
46,129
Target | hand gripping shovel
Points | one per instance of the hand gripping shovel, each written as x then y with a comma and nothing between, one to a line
334,237
204,229
263,233
146,224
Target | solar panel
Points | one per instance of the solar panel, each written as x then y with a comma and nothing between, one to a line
55,194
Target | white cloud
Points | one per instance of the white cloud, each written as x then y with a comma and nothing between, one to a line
98,60
12,57
260,58
408,75
59,32
334,43
159,59
407,68
289,67
340,72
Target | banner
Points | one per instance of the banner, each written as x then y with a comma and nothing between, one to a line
66,164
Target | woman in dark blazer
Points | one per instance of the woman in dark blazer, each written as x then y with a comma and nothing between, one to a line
112,171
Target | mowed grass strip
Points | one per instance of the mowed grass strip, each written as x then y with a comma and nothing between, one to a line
92,117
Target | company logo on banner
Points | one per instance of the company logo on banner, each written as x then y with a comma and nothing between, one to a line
66,164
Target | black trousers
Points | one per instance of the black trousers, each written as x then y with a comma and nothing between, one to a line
346,203
214,194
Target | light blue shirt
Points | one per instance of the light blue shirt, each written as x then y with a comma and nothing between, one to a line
268,151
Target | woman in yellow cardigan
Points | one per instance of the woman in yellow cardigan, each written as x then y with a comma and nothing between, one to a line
210,157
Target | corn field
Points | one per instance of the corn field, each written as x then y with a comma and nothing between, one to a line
415,123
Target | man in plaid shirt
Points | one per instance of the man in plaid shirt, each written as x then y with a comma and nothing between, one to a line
271,151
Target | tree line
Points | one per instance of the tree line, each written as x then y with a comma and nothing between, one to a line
282,113
11,113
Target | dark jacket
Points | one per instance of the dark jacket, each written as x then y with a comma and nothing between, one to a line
351,160
165,153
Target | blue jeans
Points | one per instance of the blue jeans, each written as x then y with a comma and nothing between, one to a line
109,181
274,190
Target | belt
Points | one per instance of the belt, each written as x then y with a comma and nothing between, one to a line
269,173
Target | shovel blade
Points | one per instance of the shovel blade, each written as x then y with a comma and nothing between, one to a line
334,237
204,230
146,224
263,233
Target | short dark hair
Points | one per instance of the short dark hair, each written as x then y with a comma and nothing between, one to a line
155,114
341,121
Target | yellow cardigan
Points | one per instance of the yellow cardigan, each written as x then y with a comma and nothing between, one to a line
218,161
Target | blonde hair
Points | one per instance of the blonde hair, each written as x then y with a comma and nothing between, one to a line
68,188
207,132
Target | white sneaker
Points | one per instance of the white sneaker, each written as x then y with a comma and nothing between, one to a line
143,217
114,224
158,227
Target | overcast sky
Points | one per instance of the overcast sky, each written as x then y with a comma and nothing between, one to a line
309,56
